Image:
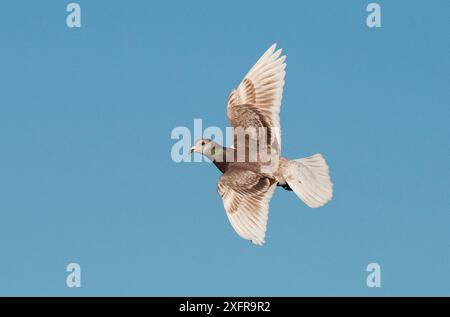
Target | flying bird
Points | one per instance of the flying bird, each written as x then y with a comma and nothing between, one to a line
247,184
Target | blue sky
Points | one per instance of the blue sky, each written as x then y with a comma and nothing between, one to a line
86,174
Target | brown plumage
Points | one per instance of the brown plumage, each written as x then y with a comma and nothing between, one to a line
254,167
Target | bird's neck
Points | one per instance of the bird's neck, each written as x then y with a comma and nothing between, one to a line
219,158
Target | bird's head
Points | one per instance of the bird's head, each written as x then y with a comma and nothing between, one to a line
202,146
207,148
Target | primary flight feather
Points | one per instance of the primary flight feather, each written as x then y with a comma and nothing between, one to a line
251,173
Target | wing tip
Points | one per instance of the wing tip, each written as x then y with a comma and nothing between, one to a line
277,54
258,243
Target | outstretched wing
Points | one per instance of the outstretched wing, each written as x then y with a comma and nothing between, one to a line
256,101
246,197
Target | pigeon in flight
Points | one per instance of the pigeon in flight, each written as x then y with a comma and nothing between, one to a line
247,183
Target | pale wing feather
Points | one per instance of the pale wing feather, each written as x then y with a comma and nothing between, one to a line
246,197
262,88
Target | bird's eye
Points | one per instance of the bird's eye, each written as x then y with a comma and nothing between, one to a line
203,143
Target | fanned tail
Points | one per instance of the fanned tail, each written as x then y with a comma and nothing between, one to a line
310,180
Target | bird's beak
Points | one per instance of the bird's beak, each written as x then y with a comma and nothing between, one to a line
192,149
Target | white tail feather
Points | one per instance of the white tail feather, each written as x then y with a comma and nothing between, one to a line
309,179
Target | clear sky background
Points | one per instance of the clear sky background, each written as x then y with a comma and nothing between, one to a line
86,174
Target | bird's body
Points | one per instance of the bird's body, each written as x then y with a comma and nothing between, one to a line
223,164
253,168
